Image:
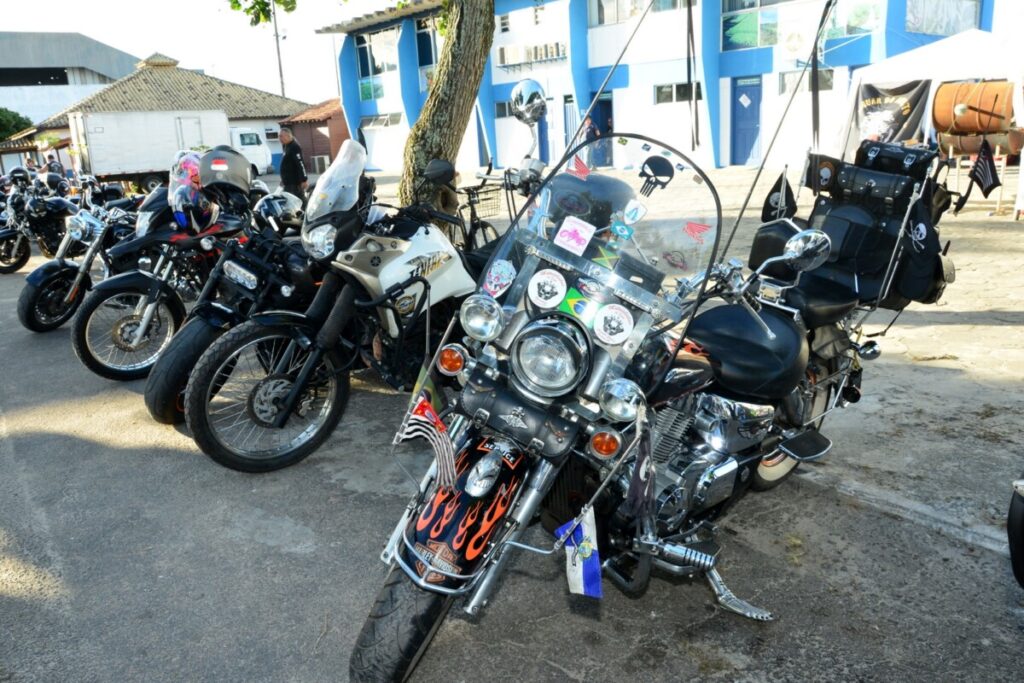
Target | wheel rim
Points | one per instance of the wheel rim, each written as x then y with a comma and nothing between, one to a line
50,306
241,402
110,328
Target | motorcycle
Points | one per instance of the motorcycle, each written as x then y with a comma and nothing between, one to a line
626,402
128,320
36,210
54,290
256,272
1015,530
269,392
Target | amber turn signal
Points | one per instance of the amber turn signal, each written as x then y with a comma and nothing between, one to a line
451,360
605,444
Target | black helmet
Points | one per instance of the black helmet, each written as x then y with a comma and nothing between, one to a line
52,181
593,200
224,167
20,177
5,184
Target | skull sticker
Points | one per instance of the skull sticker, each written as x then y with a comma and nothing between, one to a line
657,172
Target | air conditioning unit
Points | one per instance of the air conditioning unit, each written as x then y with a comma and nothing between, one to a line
320,163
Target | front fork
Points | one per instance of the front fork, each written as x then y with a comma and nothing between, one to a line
84,266
147,307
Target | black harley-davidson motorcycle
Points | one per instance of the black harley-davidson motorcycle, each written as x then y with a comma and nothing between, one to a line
54,290
257,271
36,210
627,403
269,392
128,320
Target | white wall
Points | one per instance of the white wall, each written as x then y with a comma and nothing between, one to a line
794,137
39,102
662,37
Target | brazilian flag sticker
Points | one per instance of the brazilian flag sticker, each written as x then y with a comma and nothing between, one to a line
579,306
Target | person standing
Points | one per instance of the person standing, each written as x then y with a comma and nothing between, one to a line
292,169
30,163
590,133
54,166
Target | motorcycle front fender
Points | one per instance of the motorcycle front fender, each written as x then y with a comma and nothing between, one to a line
277,317
56,268
218,316
145,283
446,541
8,233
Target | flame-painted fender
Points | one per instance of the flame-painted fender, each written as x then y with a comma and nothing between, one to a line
453,528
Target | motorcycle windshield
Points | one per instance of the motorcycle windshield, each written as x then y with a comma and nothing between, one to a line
604,240
338,188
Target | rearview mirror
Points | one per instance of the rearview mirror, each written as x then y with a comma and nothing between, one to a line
528,101
439,172
807,250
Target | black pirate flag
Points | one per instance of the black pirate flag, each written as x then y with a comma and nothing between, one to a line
780,202
983,173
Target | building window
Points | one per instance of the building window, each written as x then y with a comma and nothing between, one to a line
503,23
942,17
380,121
676,92
748,24
29,77
427,49
789,79
856,17
537,13
502,110
271,133
377,53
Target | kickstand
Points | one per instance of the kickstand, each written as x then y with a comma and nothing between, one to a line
731,603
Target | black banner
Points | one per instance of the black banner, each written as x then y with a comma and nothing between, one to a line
889,114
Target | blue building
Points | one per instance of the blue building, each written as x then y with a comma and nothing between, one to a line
747,61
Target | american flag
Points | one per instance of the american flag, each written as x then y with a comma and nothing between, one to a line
423,421
577,168
696,230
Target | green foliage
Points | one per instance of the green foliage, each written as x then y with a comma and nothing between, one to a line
11,122
259,10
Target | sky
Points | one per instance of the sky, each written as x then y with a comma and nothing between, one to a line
204,34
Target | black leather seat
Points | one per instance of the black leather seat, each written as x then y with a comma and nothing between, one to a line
820,301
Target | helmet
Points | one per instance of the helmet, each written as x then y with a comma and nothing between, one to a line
184,191
5,184
52,181
20,177
225,169
595,200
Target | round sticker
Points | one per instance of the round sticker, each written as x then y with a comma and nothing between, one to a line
613,324
547,288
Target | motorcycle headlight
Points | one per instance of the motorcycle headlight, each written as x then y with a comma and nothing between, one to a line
619,399
142,223
319,242
481,317
240,275
550,357
76,227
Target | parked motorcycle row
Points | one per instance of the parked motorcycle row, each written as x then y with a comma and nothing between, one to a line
610,376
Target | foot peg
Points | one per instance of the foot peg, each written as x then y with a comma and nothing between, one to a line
811,445
731,603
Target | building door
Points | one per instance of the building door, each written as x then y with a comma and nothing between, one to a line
746,121
190,132
572,119
602,118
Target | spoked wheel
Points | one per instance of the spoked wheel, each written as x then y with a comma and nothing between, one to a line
44,308
398,630
105,333
774,470
14,253
236,392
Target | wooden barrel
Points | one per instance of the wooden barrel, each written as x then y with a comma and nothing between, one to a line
1011,142
991,97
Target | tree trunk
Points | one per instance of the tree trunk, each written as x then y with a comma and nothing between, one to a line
450,102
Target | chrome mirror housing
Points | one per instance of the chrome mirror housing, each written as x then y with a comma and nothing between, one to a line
528,101
807,250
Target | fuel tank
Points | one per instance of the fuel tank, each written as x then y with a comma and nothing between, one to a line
745,360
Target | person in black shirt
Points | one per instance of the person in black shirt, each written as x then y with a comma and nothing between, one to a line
591,133
54,166
292,170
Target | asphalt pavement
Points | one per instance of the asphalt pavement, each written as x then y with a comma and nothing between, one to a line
127,555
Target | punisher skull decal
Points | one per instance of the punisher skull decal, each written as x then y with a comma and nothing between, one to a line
657,172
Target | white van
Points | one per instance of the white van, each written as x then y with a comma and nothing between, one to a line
250,143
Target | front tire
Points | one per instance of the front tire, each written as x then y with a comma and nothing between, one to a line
14,254
1015,535
234,392
402,622
165,388
104,328
42,308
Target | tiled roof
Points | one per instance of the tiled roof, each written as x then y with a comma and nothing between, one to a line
159,85
316,113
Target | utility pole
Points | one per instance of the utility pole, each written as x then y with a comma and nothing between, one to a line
277,43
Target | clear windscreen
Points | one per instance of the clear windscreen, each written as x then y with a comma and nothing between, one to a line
605,239
338,188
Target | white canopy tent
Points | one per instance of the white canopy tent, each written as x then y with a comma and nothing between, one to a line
968,55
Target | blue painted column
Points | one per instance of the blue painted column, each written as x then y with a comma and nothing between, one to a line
579,58
485,98
409,71
711,16
348,70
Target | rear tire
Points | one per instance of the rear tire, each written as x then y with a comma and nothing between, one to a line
402,622
42,309
165,388
1015,535
14,254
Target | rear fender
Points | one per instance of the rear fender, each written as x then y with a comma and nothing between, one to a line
453,528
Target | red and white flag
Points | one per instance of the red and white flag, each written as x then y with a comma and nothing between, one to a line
577,168
423,421
696,231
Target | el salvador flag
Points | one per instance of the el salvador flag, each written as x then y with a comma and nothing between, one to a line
582,562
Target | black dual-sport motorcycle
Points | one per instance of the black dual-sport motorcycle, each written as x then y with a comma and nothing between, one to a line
36,210
628,403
